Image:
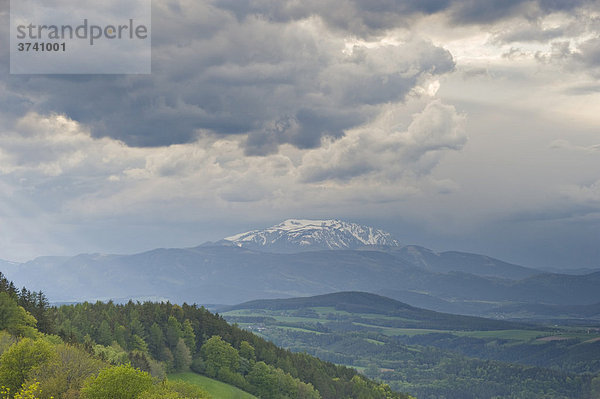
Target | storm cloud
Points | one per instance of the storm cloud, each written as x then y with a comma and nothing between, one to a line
310,64
455,124
209,73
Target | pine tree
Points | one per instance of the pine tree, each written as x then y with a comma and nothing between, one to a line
189,336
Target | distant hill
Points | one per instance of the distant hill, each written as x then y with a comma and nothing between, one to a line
579,271
305,257
444,262
367,303
229,274
428,353
356,301
584,312
6,264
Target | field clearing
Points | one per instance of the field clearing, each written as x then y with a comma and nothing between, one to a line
393,331
324,311
517,335
298,329
324,316
279,318
554,338
250,327
297,319
217,389
327,314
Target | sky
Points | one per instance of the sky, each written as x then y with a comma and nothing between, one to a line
468,125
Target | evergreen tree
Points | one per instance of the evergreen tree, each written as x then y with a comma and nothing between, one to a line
182,358
104,335
156,341
137,328
121,335
173,332
138,344
14,318
189,336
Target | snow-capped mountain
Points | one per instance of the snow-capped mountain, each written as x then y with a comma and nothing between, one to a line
300,234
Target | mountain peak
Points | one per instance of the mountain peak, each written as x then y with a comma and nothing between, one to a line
294,235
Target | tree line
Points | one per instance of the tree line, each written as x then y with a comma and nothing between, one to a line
138,344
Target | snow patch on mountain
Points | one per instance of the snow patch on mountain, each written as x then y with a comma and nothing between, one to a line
303,234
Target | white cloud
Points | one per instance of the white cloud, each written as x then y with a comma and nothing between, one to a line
565,144
56,163
384,150
231,75
585,196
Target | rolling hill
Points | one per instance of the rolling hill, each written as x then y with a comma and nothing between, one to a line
429,353
365,303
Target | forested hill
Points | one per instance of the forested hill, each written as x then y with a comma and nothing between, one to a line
159,338
367,303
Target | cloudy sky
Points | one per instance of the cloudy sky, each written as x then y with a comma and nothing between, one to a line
454,124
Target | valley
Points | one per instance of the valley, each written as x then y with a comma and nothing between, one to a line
405,346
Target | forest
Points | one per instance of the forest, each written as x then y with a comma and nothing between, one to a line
108,350
431,354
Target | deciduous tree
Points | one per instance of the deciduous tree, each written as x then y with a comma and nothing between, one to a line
219,354
117,382
21,358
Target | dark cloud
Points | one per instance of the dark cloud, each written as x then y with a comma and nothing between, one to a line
589,53
371,17
562,5
259,68
361,17
489,11
304,130
583,57
231,75
484,11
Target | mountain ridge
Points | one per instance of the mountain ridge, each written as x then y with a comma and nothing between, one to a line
231,274
306,234
465,262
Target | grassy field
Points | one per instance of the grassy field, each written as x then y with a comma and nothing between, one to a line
284,322
518,335
218,389
299,329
